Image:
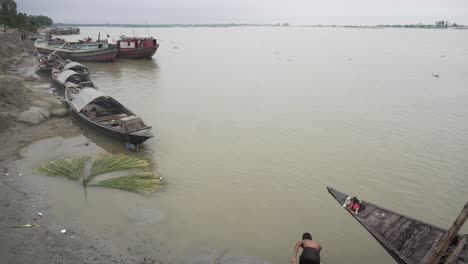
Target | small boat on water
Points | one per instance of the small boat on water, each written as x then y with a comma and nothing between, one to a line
407,240
107,114
77,51
136,47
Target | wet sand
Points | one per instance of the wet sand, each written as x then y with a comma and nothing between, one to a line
20,201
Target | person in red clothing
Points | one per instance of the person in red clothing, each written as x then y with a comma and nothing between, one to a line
354,205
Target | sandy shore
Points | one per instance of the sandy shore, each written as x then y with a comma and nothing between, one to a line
20,203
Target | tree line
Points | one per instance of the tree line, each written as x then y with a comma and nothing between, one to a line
9,16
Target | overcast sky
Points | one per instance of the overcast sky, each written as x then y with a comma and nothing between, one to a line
358,12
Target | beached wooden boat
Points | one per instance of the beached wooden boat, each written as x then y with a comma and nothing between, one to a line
71,74
136,48
408,240
45,63
107,114
77,51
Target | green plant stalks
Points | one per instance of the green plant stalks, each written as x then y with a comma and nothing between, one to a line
143,182
113,162
70,167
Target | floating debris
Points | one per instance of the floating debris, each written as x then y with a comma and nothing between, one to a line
40,214
21,174
63,231
28,225
435,75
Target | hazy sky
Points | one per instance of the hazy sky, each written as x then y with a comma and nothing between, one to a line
364,12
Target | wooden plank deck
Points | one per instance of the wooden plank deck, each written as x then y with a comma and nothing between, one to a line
408,240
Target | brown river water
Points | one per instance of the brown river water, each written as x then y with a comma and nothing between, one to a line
252,123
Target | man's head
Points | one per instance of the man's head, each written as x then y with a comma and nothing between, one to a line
307,236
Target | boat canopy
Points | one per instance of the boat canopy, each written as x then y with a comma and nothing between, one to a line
63,76
73,64
84,97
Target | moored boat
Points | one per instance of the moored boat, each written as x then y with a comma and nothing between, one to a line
136,47
77,51
71,74
407,240
45,63
107,114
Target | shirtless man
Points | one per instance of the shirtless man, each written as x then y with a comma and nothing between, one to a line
310,251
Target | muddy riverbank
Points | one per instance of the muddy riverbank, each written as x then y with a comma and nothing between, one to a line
20,202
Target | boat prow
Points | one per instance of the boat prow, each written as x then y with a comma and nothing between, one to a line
407,240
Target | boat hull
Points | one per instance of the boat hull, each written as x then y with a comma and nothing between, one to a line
101,55
406,239
140,53
130,138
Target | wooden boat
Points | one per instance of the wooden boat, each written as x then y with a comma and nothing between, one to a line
107,114
45,63
407,240
136,48
77,51
71,74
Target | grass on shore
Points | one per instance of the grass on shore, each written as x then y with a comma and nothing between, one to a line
114,162
140,182
70,167
143,182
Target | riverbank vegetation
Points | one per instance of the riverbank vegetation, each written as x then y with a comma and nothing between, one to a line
141,181
9,16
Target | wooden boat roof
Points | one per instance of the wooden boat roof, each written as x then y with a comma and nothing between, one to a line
63,76
84,97
408,240
73,64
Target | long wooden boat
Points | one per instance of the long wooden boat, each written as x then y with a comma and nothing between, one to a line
407,240
107,114
136,48
78,51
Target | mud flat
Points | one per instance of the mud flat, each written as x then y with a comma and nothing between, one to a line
21,204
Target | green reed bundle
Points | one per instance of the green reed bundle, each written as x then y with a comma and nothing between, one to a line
140,182
113,162
70,167
143,182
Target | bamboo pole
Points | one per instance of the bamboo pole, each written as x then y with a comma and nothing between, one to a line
441,247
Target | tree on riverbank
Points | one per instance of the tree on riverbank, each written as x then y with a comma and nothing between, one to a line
9,16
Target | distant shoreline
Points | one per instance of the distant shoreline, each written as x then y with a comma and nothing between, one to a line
421,26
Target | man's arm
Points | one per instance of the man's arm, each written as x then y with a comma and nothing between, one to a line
296,249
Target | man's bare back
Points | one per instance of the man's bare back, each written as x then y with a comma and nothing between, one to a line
311,244
310,250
